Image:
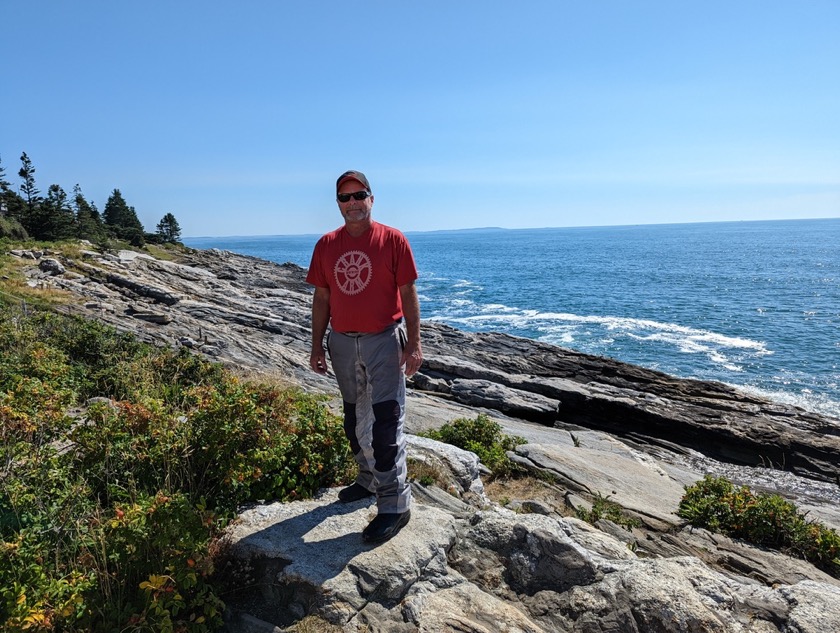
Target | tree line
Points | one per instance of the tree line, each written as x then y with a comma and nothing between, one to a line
26,213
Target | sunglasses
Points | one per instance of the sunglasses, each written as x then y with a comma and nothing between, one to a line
356,195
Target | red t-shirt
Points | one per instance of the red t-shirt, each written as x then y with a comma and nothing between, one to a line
364,275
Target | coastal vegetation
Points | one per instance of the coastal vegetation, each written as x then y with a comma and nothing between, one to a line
484,437
57,216
603,508
767,520
120,464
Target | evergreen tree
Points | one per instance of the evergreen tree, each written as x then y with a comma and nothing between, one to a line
168,229
122,219
31,194
115,209
53,218
27,174
133,231
88,221
11,204
5,185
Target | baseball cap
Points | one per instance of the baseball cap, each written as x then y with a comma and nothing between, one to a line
352,175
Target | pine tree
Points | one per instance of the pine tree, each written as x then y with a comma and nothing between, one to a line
88,221
11,207
31,195
168,229
5,188
115,209
133,230
53,219
122,219
27,188
5,185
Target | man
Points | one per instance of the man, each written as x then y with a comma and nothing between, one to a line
364,275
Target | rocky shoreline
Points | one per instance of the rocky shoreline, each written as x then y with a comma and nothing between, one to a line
599,427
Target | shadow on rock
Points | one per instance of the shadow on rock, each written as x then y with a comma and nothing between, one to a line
290,560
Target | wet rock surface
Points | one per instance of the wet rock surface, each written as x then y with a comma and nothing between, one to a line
595,427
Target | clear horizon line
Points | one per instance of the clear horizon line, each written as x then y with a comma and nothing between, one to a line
532,228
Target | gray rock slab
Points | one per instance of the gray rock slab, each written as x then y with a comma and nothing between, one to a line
613,470
321,546
485,393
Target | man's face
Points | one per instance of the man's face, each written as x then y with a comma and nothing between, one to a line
354,210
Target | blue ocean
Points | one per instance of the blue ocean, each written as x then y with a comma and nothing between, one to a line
752,304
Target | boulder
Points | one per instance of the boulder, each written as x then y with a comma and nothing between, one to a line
51,266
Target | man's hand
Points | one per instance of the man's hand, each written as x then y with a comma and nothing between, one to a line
320,319
318,360
412,358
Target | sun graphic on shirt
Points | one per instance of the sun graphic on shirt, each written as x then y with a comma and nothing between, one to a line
353,272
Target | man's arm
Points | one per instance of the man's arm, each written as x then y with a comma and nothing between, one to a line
320,320
412,354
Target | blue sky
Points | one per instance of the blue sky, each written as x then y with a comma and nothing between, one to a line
238,117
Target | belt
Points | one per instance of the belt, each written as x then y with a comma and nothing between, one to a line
396,322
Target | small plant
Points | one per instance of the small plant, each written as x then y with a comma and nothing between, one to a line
768,520
485,438
314,624
427,473
575,439
603,508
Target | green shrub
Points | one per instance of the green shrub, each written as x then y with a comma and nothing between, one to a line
107,521
11,228
762,519
485,438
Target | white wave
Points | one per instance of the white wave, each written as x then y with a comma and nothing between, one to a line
671,332
691,339
806,399
465,283
490,307
562,328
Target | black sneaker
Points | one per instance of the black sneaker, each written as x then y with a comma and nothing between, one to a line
354,492
384,526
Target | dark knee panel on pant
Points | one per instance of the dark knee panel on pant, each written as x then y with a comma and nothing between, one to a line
387,416
350,426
